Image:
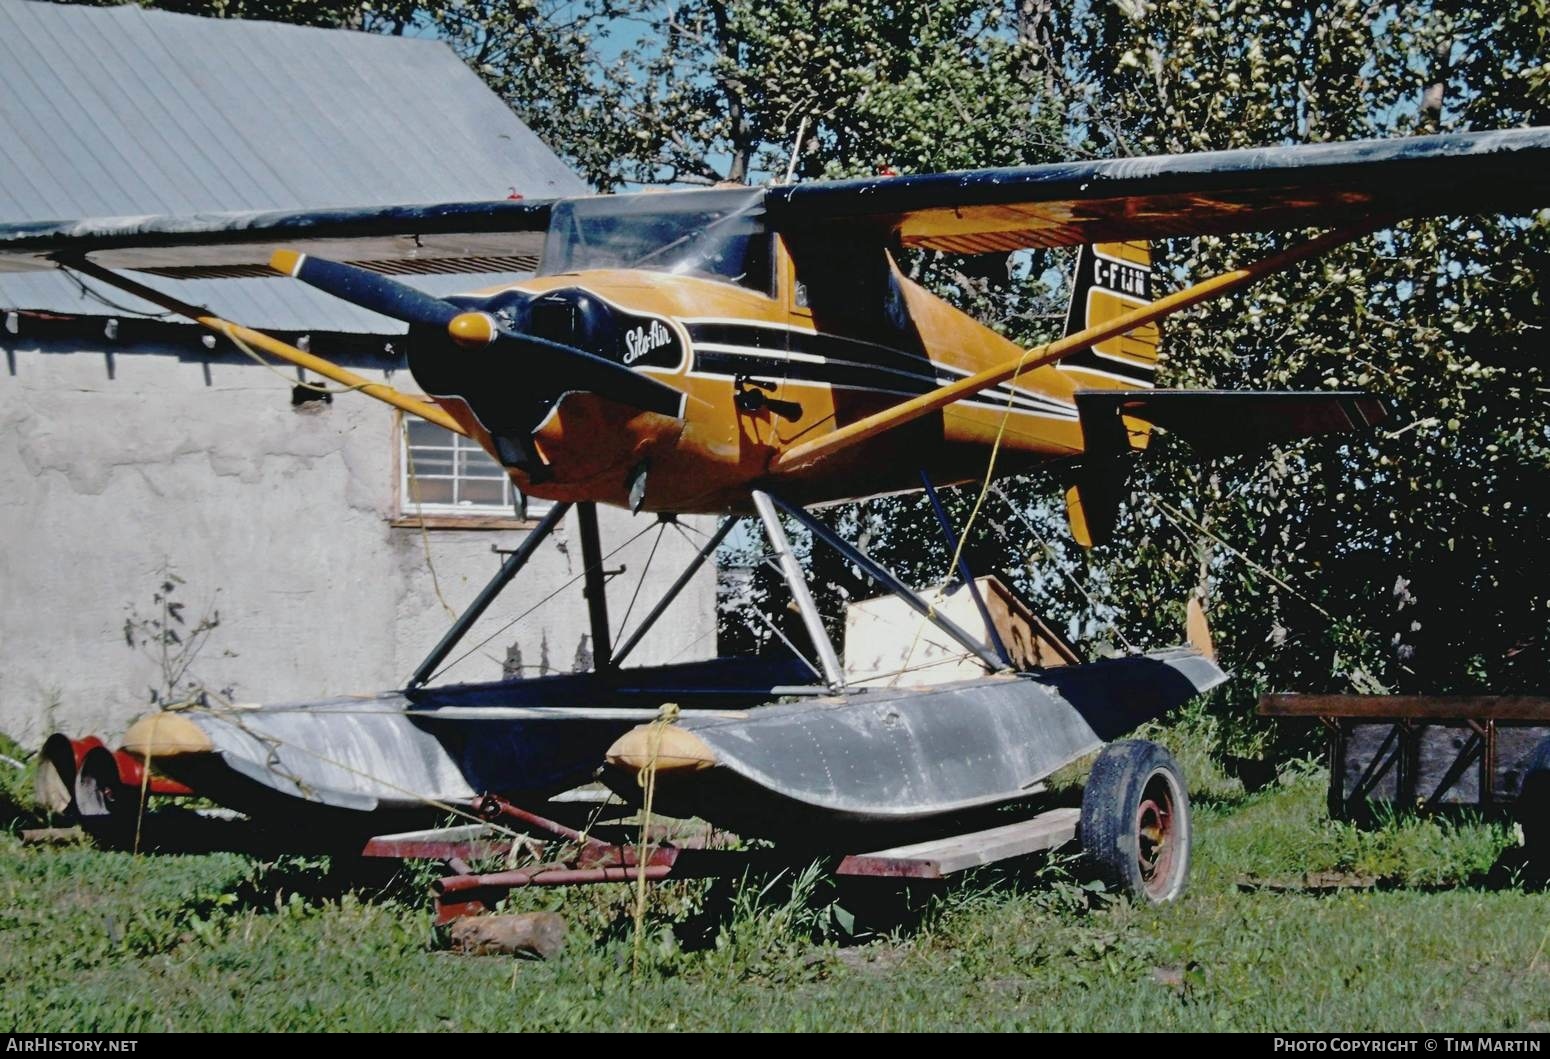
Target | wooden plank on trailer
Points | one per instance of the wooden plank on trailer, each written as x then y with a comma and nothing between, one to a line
941,857
1533,708
441,843
53,836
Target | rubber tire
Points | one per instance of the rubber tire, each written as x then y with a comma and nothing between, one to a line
1111,807
107,807
1533,810
53,785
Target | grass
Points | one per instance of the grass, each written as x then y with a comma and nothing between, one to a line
1292,922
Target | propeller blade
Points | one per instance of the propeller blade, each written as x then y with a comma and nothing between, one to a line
369,290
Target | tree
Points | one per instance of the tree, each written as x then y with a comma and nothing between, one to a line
1407,558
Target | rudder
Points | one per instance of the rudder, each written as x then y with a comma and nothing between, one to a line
1112,279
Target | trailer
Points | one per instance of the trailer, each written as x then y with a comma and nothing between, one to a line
1431,752
1133,826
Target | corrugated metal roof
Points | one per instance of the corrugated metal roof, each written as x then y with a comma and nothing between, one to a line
123,111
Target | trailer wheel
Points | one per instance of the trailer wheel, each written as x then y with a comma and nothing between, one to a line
1533,808
107,807
1135,821
53,785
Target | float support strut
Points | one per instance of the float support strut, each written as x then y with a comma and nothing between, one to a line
465,621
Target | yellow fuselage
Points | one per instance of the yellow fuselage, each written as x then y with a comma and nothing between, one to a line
804,380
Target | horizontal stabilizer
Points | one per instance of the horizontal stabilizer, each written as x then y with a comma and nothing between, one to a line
1213,422
1227,422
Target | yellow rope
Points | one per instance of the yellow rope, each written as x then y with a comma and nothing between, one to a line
1174,516
990,464
1539,951
145,784
419,516
145,773
647,778
979,501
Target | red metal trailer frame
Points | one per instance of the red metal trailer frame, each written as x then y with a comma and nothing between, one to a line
592,860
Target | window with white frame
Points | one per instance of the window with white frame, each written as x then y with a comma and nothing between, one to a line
442,473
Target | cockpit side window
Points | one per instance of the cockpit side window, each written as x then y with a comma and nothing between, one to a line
718,235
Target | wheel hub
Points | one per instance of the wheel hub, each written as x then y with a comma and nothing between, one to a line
1154,832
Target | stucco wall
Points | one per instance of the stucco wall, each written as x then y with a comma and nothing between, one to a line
279,517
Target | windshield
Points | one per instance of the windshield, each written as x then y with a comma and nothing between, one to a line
712,234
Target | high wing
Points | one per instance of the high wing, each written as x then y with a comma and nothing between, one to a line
998,210
974,211
455,237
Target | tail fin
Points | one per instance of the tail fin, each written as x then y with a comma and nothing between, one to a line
1111,279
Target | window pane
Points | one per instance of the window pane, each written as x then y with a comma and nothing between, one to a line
422,432
442,470
477,464
430,491
484,492
424,462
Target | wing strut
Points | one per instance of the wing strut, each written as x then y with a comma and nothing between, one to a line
802,456
271,345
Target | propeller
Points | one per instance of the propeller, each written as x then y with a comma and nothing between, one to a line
369,290
560,367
